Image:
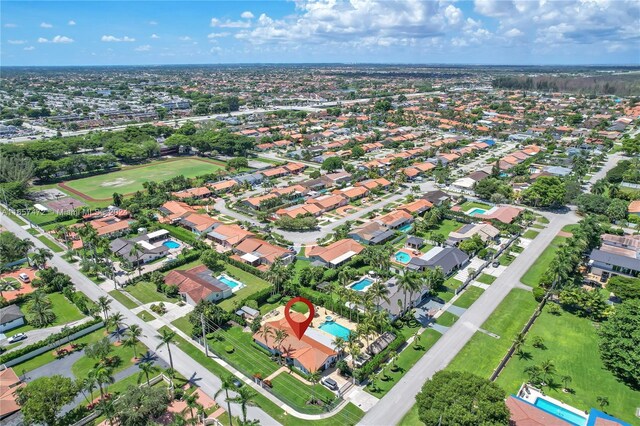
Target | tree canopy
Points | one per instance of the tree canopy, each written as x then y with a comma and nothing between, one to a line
546,191
42,399
139,406
624,287
461,398
620,342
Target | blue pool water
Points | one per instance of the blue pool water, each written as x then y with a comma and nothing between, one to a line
171,244
335,329
476,211
362,284
402,257
405,228
561,412
230,282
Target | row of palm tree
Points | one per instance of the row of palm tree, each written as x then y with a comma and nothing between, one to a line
245,397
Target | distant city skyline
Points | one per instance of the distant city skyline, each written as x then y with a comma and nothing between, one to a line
483,32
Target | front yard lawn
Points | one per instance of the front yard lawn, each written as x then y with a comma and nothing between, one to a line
184,325
128,303
146,292
530,234
534,273
482,353
65,311
295,393
50,244
446,319
469,296
486,279
82,366
572,345
246,356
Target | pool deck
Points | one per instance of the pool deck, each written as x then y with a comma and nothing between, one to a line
405,250
531,394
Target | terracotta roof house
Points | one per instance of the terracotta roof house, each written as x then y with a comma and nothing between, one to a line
110,226
9,383
309,354
374,183
634,207
335,254
222,186
395,219
487,232
337,178
526,414
173,210
418,206
255,251
275,172
200,192
299,210
228,235
255,202
504,214
197,284
198,223
353,192
328,202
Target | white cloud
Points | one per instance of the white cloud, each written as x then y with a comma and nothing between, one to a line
113,39
153,23
57,39
155,36
215,22
513,32
218,35
247,15
184,38
143,48
71,23
45,25
453,14
10,25
17,41
28,48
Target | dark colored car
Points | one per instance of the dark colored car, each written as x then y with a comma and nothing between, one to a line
330,383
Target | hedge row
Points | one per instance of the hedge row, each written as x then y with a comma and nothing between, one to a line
374,363
45,342
245,267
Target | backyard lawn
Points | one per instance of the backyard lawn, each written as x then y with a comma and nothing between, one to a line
486,279
535,272
446,227
130,179
468,205
469,296
252,284
295,393
406,359
146,292
572,345
482,353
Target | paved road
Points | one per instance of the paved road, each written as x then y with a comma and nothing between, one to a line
611,162
183,363
393,406
38,334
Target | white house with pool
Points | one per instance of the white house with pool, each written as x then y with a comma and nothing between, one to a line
197,284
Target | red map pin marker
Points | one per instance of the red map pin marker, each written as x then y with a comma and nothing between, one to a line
299,327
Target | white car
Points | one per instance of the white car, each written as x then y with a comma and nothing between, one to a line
17,337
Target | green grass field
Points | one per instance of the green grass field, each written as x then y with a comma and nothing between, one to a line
128,303
295,393
486,279
251,282
446,319
146,292
482,353
572,345
129,180
65,312
468,205
534,273
411,418
530,234
447,226
82,366
469,296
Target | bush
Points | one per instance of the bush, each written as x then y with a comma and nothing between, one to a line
228,349
375,362
538,293
274,299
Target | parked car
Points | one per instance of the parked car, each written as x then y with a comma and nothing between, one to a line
24,278
17,337
237,383
495,264
330,383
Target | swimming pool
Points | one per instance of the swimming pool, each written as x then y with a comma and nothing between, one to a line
171,244
402,257
405,228
235,285
335,329
361,284
558,411
476,211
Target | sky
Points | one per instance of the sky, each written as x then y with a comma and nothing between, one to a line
501,32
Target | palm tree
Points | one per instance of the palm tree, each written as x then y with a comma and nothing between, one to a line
146,368
279,337
565,381
314,378
416,340
136,251
547,368
166,337
39,311
133,337
339,344
227,385
534,373
603,401
246,398
6,285
518,341
192,402
379,292
276,275
265,333
103,304
103,375
116,320
88,384
407,283
107,409
40,257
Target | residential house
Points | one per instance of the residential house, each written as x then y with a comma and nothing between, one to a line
352,192
141,249
395,219
313,352
9,384
371,233
335,254
198,284
228,235
450,259
257,252
437,197
417,207
299,210
10,317
338,178
199,193
618,255
505,214
634,208
487,233
328,202
372,184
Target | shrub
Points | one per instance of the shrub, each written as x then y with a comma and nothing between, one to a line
228,349
538,293
274,299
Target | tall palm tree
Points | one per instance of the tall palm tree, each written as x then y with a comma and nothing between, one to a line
107,409
146,369
339,344
136,251
192,403
406,284
39,311
518,341
314,378
6,285
246,398
116,320
166,337
379,292
265,333
279,337
104,377
226,386
40,257
276,275
547,368
133,337
88,384
103,304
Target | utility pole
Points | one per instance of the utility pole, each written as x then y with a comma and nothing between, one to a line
204,335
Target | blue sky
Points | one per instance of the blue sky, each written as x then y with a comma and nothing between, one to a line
405,31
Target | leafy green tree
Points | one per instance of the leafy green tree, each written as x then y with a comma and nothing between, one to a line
624,287
620,342
461,399
42,399
332,164
38,310
138,406
546,191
